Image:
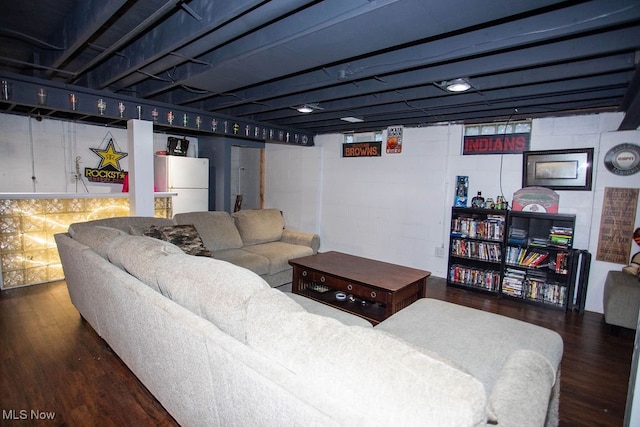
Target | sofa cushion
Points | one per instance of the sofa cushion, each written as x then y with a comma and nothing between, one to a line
211,288
216,228
259,225
279,254
137,230
392,380
140,256
272,300
124,223
184,236
98,238
256,263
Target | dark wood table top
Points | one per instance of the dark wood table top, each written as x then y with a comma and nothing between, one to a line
384,275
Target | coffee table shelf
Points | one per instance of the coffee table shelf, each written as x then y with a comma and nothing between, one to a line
371,311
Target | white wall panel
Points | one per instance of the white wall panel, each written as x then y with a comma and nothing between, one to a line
56,145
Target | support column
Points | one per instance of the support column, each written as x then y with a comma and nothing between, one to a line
140,145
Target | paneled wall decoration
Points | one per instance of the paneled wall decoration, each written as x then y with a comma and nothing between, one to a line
28,252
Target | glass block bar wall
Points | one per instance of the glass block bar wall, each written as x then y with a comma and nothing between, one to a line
28,250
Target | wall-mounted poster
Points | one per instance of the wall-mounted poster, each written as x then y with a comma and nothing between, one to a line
616,224
108,170
394,139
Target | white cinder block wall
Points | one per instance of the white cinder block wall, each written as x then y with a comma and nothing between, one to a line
397,207
47,149
394,208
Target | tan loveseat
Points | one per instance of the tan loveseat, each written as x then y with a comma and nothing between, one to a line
253,239
218,346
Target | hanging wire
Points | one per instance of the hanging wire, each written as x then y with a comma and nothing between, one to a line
504,135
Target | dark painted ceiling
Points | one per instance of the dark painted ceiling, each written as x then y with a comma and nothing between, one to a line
377,60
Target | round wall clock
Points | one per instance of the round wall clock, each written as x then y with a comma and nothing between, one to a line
623,159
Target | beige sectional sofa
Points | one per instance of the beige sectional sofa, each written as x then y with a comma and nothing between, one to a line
218,346
253,239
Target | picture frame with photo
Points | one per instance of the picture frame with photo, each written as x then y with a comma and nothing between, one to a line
570,169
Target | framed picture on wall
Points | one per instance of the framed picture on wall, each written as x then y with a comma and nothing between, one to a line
558,169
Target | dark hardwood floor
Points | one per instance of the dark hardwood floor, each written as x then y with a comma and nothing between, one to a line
53,362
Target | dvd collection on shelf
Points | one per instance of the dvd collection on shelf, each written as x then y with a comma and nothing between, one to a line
517,236
520,284
513,283
479,278
560,237
522,256
485,251
489,228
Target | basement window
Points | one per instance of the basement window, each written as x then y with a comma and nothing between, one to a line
350,138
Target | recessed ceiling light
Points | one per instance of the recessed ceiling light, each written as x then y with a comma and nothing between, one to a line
351,119
305,109
455,85
308,108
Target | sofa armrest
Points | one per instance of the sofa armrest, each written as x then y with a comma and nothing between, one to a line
301,238
522,394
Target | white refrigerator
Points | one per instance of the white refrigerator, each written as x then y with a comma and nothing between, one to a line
186,176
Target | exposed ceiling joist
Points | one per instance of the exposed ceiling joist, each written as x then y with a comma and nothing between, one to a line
81,26
256,60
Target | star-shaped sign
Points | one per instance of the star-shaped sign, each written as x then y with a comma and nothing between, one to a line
109,156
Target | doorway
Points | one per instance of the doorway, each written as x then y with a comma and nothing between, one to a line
247,178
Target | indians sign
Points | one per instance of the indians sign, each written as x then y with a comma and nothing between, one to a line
515,143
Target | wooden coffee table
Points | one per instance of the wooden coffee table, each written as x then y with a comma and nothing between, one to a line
374,289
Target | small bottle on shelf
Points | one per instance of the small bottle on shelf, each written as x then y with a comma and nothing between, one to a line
477,201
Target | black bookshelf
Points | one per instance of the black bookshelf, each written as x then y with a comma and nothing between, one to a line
526,256
539,262
476,247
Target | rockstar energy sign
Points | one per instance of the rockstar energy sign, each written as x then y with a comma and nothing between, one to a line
109,170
